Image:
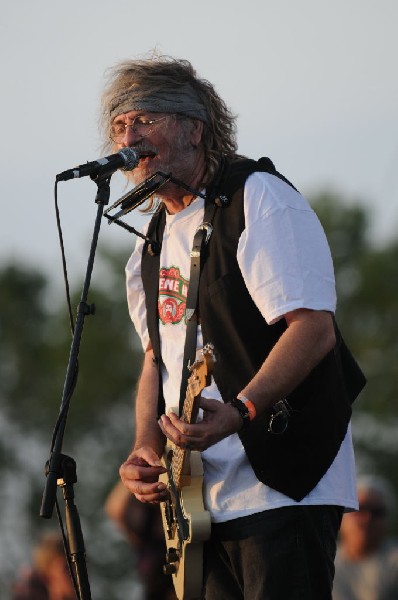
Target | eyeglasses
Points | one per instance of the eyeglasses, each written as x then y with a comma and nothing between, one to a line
141,125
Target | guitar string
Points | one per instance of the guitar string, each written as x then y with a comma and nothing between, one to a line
179,454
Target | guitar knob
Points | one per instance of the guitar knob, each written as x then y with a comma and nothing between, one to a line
172,556
172,560
170,569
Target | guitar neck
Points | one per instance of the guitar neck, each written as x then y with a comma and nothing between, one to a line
180,458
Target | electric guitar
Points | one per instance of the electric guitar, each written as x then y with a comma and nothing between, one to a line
186,523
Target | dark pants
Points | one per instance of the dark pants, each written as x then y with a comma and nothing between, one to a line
281,554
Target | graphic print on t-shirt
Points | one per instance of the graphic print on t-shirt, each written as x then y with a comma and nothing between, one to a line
173,289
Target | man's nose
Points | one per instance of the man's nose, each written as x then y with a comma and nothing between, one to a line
130,136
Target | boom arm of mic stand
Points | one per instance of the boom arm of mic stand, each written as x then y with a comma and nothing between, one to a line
61,469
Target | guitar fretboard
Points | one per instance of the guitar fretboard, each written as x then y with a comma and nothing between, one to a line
181,455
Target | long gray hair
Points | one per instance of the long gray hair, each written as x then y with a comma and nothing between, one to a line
170,79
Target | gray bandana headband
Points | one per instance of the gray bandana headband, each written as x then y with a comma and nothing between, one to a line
183,101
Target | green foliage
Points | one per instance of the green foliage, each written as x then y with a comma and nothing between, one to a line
367,290
34,351
22,348
35,345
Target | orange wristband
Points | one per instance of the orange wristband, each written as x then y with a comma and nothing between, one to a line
249,405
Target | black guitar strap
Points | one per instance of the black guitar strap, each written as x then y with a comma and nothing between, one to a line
200,241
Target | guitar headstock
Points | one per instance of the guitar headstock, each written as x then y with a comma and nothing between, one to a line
201,369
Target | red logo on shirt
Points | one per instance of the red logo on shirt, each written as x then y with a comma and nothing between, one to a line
173,289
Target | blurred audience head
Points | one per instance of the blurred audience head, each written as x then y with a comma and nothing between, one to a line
50,561
363,532
49,577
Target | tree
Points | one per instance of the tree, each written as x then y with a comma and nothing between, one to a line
34,350
367,286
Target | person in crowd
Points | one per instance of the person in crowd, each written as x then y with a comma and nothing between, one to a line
142,526
235,257
367,557
48,578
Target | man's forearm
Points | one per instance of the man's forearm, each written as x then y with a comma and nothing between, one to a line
308,338
147,431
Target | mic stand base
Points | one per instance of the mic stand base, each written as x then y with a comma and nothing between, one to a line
76,549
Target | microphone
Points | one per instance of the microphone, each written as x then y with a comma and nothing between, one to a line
126,160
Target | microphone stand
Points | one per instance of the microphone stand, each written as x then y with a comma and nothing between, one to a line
60,468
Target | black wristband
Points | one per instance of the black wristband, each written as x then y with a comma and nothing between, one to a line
242,410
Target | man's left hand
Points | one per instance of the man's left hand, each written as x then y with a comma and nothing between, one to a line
219,421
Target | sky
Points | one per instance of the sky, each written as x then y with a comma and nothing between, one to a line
313,82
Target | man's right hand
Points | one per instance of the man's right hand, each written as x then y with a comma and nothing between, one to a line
140,473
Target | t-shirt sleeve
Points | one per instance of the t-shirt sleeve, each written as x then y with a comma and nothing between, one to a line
283,253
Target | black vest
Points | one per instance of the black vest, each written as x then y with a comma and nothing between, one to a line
292,462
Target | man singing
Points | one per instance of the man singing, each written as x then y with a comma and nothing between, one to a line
274,429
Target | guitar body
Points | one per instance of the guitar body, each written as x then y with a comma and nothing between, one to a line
186,524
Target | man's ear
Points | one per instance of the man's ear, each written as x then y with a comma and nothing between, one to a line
196,132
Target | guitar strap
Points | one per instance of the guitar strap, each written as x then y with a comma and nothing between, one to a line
200,241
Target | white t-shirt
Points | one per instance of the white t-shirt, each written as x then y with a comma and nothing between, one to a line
286,265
